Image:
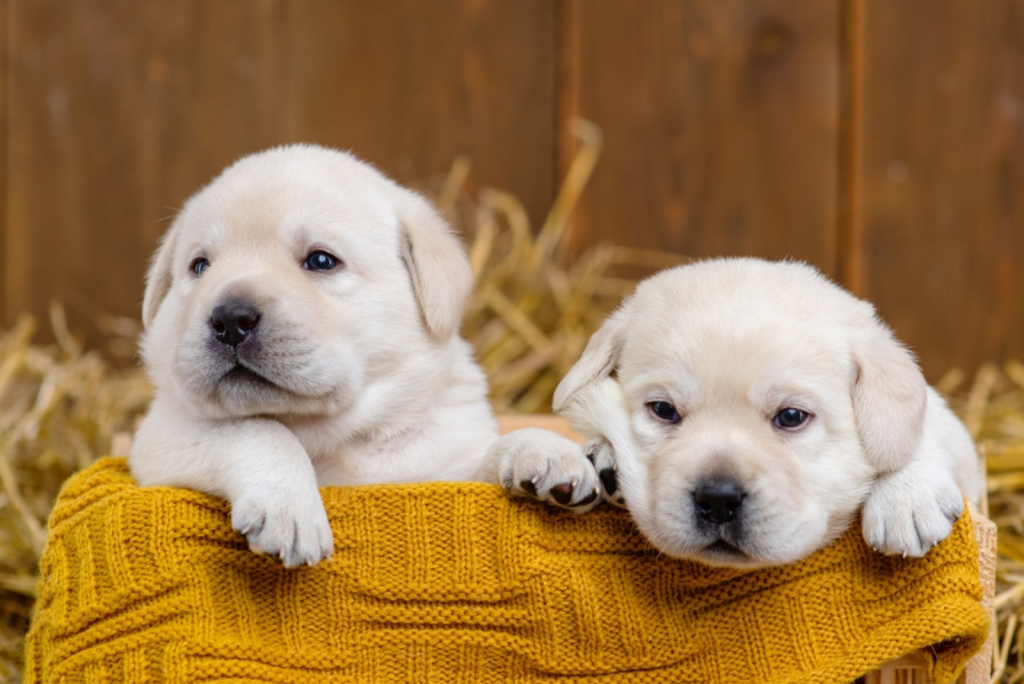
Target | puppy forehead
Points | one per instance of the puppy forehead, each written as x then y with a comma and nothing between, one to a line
745,319
745,369
303,190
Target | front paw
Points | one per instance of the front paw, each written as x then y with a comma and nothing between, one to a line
292,527
908,513
541,465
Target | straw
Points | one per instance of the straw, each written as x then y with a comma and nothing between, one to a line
531,313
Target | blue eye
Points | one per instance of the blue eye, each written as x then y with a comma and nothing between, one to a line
664,411
320,261
790,418
199,265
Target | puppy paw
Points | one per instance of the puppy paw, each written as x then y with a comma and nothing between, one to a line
541,465
907,512
293,527
602,456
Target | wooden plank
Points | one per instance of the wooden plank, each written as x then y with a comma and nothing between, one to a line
4,236
849,239
103,144
567,84
721,126
941,177
120,110
418,83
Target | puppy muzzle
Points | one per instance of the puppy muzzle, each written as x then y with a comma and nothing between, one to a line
234,345
719,508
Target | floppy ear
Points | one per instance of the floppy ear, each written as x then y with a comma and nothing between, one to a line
889,397
598,359
437,263
159,277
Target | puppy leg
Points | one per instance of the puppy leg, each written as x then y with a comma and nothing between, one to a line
598,410
257,464
910,510
539,464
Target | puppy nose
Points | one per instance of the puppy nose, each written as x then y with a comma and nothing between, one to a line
718,499
233,321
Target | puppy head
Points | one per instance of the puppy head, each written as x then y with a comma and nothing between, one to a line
296,279
762,401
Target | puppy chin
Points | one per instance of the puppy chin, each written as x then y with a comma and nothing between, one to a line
720,552
241,396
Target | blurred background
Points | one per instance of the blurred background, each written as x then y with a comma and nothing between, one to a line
881,141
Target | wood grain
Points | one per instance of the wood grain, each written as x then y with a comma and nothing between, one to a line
942,178
849,239
120,110
4,233
880,141
721,126
418,83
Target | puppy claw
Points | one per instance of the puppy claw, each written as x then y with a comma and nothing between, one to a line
253,528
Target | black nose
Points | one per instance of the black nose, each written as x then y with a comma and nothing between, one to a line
718,499
233,321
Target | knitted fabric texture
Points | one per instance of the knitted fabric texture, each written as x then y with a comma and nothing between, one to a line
456,582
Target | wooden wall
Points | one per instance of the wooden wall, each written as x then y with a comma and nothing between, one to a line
881,141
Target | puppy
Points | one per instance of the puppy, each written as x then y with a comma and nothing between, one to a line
751,409
301,323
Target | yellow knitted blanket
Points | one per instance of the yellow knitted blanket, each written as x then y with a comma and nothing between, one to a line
456,582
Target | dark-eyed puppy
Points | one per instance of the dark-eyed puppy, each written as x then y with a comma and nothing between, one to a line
753,408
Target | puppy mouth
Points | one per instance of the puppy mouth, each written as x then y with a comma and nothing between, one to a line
242,374
722,550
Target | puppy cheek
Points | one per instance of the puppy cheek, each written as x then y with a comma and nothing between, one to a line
192,318
160,342
658,459
669,482
649,435
331,363
792,524
814,500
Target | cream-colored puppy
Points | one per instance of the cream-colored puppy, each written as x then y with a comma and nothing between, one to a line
753,408
301,329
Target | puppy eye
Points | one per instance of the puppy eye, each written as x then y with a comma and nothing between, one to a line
320,261
199,265
790,418
664,411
